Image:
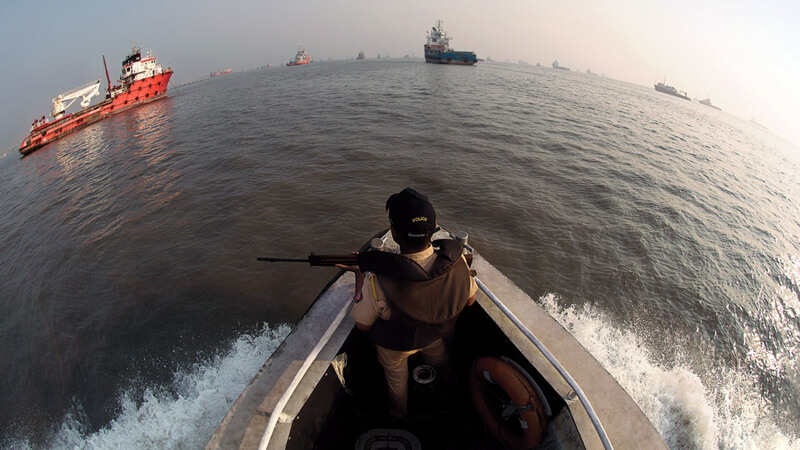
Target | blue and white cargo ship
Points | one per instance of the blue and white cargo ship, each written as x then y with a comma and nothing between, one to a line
437,49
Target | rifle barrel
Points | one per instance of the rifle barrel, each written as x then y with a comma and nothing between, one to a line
269,259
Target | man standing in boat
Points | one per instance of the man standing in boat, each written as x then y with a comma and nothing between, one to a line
417,299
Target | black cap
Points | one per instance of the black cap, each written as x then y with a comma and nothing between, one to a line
411,214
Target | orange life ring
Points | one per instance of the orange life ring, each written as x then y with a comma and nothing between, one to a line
521,402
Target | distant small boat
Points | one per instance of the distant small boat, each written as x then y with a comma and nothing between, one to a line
221,72
558,67
707,102
360,55
300,58
667,89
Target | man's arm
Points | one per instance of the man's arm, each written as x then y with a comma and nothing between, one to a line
360,309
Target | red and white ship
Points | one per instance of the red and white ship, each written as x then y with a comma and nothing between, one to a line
302,57
142,81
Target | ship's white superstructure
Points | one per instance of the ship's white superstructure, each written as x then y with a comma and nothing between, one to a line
438,37
137,68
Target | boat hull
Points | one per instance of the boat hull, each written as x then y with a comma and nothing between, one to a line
137,93
437,55
298,400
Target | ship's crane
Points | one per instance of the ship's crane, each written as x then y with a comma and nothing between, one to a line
65,100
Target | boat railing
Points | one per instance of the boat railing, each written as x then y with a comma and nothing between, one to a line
601,432
277,411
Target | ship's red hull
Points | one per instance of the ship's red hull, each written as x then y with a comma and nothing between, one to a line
299,63
138,93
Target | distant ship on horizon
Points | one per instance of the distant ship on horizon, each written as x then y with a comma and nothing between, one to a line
300,58
360,54
221,72
437,49
558,67
707,101
667,89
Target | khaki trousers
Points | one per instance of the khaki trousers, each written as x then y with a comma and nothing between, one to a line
395,367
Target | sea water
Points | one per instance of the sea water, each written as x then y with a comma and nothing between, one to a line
662,233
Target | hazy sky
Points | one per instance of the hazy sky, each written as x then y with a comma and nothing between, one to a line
745,55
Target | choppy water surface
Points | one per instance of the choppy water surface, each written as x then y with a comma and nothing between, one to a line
662,233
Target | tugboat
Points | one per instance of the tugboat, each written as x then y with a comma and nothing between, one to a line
667,89
142,81
437,49
300,58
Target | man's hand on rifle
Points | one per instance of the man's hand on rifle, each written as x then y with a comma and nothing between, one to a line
359,276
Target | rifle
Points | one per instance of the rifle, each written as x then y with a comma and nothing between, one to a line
369,261
318,260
